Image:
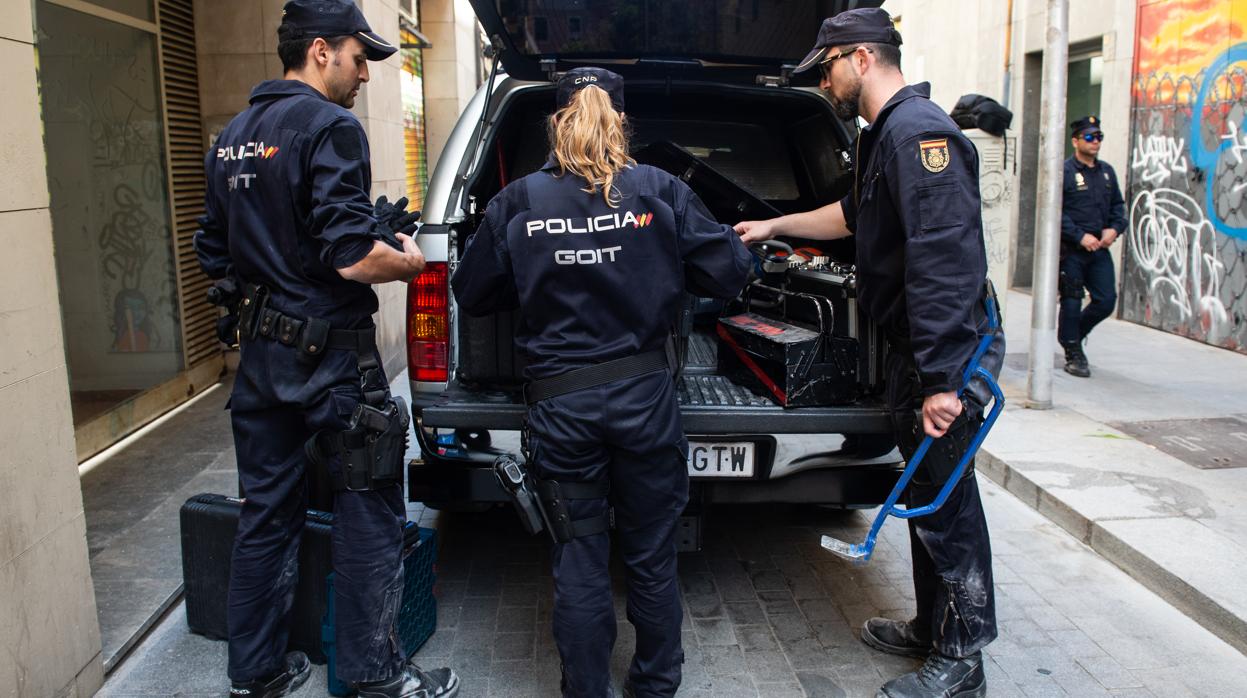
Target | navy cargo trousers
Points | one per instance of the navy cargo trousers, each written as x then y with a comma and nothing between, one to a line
630,433
281,397
952,556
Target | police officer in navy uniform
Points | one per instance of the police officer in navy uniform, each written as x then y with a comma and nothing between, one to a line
922,272
1093,215
289,218
597,251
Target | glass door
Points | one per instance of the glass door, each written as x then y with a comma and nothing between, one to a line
109,186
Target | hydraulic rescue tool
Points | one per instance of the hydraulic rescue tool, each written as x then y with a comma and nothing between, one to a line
860,552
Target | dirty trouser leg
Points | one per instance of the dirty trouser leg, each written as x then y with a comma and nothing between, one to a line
367,543
368,582
649,489
565,446
951,549
264,565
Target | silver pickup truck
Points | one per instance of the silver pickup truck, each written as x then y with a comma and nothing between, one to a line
707,79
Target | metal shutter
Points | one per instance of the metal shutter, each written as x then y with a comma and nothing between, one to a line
184,134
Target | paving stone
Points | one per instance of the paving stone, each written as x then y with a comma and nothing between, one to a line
714,631
818,609
1110,673
1076,644
778,602
808,654
723,660
770,666
1070,623
479,610
514,646
780,690
769,580
745,612
756,638
733,687
693,584
705,605
1044,687
818,685
790,627
520,595
832,634
517,619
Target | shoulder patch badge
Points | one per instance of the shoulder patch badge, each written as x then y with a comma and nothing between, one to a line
934,154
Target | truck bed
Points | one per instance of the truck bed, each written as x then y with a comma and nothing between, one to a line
710,404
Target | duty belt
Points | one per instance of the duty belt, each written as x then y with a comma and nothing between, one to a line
313,336
595,375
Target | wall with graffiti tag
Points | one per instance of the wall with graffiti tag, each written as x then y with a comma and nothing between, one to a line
1185,257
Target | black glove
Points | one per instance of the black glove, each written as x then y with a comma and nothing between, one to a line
393,218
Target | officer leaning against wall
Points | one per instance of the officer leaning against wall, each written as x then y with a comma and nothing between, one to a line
1093,215
597,251
289,220
922,271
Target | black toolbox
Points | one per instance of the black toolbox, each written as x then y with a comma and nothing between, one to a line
797,366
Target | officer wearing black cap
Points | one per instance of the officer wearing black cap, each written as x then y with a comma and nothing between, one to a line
290,222
1093,215
922,272
597,251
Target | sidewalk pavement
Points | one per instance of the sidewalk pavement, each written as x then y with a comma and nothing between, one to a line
1145,462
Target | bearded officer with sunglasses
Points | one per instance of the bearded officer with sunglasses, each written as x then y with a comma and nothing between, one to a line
914,211
1093,215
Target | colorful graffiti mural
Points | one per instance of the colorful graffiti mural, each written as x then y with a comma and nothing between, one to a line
1185,258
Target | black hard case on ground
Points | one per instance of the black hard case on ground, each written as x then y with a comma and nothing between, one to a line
209,523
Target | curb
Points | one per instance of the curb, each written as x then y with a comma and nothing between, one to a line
1192,602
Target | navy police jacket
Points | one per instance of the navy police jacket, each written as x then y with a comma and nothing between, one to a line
915,212
288,203
1091,202
595,282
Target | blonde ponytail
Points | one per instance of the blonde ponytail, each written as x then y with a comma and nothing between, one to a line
589,140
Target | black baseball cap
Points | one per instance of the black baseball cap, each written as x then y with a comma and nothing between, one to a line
1087,123
865,25
577,79
327,18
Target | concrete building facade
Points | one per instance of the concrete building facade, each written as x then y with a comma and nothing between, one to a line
110,105
1167,79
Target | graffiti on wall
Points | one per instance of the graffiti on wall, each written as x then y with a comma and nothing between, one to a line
1185,259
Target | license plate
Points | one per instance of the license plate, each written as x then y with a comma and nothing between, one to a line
721,459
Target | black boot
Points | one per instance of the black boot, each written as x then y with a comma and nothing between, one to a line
940,677
895,637
1076,361
412,682
283,683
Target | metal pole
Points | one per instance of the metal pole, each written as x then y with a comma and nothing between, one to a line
1048,229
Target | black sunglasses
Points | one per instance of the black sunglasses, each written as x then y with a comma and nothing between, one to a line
1090,137
824,65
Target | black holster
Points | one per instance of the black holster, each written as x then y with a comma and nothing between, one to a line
370,450
250,310
554,496
519,486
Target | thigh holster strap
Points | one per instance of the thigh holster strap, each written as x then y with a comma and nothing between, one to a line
554,497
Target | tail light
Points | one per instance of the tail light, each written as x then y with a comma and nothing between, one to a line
428,324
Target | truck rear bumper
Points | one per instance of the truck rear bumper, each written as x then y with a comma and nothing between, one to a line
469,482
734,412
